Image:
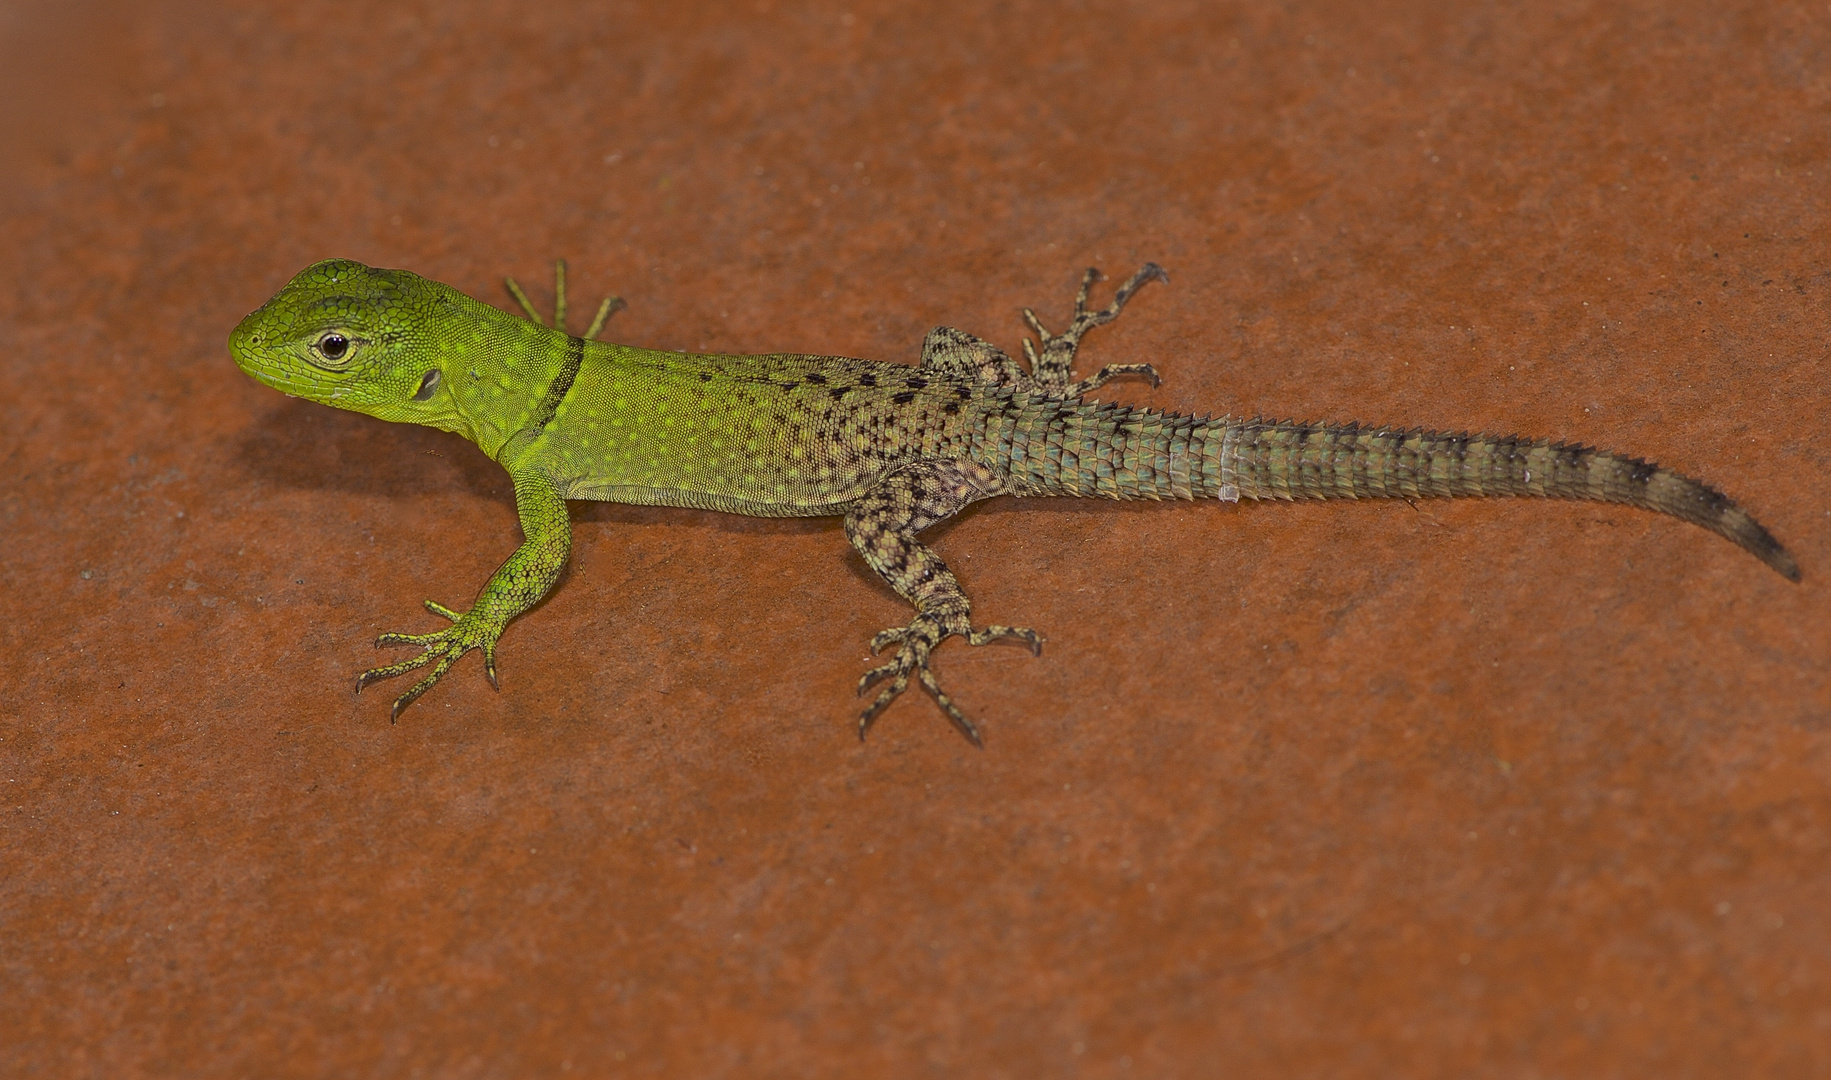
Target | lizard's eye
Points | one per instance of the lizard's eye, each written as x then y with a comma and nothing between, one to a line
333,346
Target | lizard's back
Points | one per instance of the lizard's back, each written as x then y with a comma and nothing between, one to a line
776,435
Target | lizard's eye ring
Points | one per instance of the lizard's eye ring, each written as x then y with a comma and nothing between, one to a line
333,346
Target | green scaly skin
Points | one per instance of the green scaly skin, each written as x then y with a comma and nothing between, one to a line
891,448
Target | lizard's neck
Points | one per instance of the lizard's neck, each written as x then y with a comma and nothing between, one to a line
500,370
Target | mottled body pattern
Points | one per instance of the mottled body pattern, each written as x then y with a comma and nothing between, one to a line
891,448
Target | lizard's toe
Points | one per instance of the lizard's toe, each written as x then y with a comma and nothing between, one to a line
440,609
959,719
916,643
413,693
441,649
384,641
1007,633
884,697
375,675
874,676
887,638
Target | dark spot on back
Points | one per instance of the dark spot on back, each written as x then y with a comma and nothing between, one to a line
903,398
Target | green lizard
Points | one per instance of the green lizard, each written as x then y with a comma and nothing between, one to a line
891,448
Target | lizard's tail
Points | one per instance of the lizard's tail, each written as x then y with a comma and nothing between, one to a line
1117,452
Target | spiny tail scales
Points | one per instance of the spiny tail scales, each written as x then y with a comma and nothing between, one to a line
1055,447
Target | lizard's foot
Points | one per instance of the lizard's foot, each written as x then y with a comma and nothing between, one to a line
1050,363
442,648
611,305
917,640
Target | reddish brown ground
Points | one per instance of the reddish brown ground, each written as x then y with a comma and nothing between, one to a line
1474,789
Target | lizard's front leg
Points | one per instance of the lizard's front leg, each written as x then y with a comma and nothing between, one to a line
882,525
516,586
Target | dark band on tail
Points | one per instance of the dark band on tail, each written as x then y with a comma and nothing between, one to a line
1282,459
1049,446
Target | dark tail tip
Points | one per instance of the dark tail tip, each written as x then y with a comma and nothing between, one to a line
1778,558
1643,483
1753,537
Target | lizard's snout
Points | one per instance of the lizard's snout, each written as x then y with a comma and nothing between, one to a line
245,336
250,346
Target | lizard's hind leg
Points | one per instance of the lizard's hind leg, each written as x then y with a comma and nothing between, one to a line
882,525
611,305
1052,366
956,352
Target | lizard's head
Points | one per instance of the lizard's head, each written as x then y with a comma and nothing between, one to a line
352,336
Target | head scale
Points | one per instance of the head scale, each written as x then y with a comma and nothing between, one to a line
349,335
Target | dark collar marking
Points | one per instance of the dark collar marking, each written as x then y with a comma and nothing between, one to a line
561,385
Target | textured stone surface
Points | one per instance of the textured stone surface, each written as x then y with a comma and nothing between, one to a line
1475,789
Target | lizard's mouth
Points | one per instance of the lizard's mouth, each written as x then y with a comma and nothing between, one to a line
254,350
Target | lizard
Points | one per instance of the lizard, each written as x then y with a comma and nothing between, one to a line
891,448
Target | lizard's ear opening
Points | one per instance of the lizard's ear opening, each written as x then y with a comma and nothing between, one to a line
429,383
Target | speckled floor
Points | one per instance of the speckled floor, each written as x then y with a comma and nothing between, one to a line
1500,789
